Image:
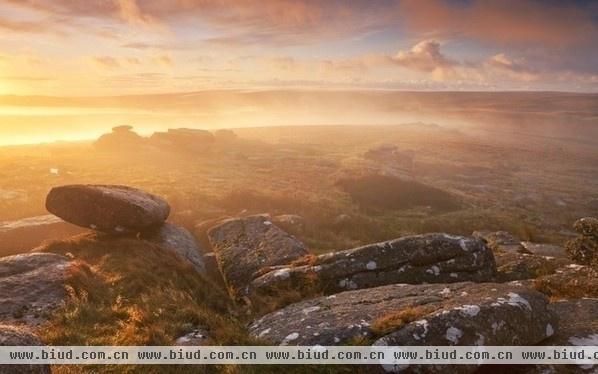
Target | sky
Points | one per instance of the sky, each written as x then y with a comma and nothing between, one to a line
123,47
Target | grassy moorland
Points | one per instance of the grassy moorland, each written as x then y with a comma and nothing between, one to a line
129,292
457,182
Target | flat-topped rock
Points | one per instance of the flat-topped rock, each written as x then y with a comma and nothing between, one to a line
22,235
180,241
243,246
108,208
18,336
452,314
430,258
31,285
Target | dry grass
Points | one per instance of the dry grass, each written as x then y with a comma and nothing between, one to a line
303,286
134,293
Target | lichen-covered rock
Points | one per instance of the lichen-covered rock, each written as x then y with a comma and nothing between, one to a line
587,226
572,281
107,208
583,250
578,326
243,246
430,258
543,249
31,285
399,314
18,336
22,235
501,241
519,266
180,241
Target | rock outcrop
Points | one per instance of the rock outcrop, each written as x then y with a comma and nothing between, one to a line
122,138
501,241
225,135
182,139
584,248
430,258
181,242
22,235
31,285
244,246
453,314
578,326
108,208
16,336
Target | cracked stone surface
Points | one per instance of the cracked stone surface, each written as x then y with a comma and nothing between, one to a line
430,258
243,246
452,314
31,285
106,208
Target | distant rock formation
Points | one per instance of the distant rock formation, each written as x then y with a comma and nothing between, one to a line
183,139
122,138
107,208
225,135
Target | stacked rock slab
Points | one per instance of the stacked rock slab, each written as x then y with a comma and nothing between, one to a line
453,314
430,258
107,208
122,210
31,285
243,246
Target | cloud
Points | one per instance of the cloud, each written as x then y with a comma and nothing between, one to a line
163,60
515,69
425,56
24,78
106,62
505,21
